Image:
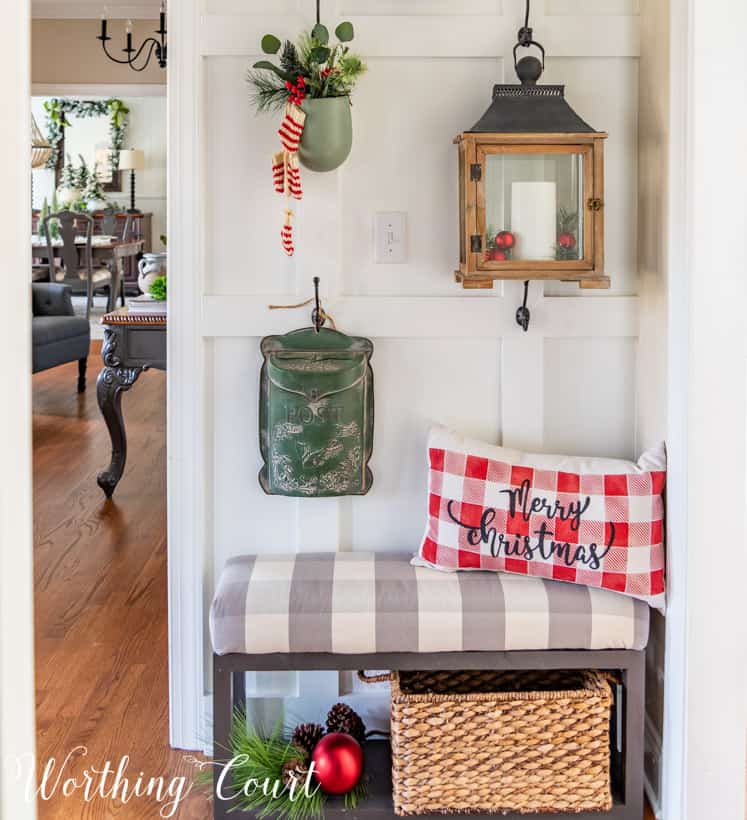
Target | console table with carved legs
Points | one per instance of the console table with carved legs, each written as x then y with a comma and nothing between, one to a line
132,343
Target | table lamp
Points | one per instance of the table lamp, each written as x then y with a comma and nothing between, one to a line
132,159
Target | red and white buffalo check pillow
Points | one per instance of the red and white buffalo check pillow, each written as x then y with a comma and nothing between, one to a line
592,521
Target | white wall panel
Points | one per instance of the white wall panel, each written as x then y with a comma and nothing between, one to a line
418,383
243,213
440,354
252,8
591,7
406,114
589,397
397,7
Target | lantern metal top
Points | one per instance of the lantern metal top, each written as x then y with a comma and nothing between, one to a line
530,109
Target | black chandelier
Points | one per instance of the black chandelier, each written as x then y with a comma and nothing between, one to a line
149,47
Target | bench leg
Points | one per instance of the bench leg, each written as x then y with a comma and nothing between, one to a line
635,704
222,717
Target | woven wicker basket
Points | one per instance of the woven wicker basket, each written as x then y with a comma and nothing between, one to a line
487,741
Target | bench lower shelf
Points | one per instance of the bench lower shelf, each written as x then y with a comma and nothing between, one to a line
378,804
229,691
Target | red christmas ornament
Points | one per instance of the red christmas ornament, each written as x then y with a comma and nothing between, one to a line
495,256
505,240
567,241
338,763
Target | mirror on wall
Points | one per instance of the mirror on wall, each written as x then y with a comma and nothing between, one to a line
87,131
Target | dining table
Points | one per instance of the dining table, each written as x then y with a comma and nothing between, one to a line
108,250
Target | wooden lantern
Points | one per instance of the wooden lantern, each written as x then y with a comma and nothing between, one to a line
531,187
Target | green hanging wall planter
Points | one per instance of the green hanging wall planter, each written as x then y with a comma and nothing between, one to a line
328,133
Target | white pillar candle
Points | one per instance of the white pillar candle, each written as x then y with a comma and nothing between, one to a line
533,219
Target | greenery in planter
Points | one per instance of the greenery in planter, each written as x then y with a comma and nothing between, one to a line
93,189
318,67
58,107
158,288
69,176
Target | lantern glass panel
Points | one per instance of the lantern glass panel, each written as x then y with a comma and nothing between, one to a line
534,206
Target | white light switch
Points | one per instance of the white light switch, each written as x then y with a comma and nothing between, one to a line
390,238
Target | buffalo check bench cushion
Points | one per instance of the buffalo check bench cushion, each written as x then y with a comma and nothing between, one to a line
365,602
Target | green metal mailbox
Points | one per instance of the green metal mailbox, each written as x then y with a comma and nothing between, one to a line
316,414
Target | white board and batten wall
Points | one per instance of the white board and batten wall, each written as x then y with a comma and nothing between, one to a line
441,354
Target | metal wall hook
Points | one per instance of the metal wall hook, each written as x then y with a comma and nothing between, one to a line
522,312
317,314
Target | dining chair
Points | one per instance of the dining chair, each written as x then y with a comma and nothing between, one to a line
77,268
118,224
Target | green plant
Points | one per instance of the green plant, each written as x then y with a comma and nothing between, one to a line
69,175
94,189
317,67
158,288
258,776
81,174
162,237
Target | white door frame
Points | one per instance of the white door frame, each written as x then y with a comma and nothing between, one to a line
705,717
16,525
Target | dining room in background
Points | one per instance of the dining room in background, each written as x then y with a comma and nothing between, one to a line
87,136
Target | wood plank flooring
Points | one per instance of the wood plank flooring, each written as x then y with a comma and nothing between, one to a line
101,615
100,597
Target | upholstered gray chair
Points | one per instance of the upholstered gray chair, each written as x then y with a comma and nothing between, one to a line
58,335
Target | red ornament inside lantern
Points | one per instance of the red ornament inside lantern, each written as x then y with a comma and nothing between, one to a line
505,240
494,255
567,241
338,762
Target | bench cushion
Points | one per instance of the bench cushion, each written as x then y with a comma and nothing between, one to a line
362,602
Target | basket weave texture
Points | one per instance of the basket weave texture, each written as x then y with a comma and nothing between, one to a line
487,741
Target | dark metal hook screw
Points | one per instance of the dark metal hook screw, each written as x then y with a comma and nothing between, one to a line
522,312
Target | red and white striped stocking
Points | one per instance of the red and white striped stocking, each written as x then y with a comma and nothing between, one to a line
293,177
286,233
278,172
291,127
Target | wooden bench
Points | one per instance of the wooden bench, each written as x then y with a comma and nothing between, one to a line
346,611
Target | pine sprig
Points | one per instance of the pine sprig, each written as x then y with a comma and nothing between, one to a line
268,92
289,60
265,758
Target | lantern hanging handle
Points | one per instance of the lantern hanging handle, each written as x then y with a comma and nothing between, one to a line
522,312
525,38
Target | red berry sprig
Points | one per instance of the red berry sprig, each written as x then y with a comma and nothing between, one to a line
297,92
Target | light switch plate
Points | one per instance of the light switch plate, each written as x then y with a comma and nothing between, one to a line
390,238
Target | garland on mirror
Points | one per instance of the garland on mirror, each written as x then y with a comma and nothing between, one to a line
56,121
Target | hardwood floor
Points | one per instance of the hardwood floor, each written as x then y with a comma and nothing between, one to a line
100,567
100,597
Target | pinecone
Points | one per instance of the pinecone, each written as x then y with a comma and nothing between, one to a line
295,771
306,736
342,718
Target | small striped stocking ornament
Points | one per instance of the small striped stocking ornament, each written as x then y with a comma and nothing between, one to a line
286,233
291,127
